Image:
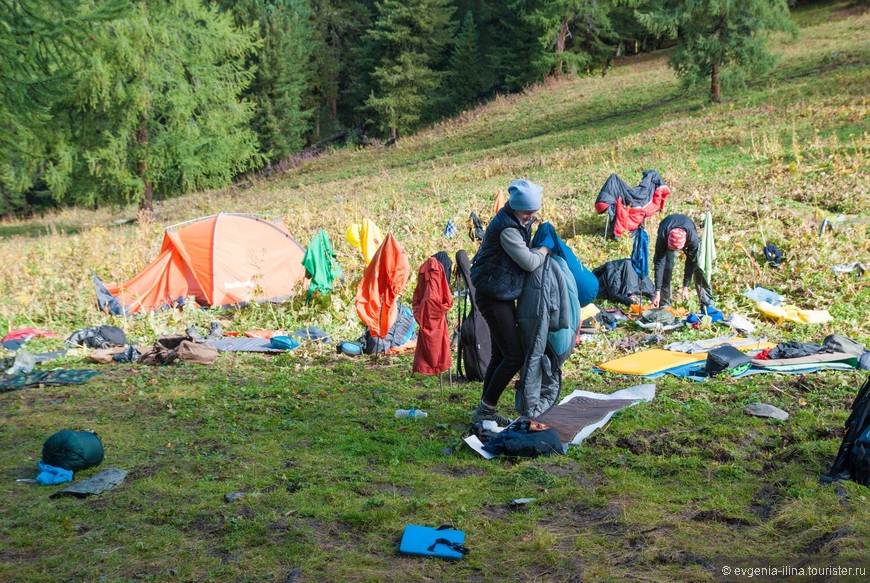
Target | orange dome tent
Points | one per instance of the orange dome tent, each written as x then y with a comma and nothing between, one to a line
220,260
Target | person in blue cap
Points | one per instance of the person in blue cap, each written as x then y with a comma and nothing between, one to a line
498,272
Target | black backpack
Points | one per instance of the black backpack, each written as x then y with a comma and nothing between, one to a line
853,458
474,350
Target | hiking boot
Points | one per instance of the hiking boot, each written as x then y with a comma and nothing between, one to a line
193,334
486,412
216,331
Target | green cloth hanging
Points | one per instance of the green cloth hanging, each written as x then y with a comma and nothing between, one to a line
707,251
320,264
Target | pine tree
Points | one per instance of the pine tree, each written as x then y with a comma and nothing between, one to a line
412,39
284,71
339,26
465,79
576,34
715,37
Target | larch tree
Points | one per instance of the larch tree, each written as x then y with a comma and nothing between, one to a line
717,37
42,44
412,39
158,109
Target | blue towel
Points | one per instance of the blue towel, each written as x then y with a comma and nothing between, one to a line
49,475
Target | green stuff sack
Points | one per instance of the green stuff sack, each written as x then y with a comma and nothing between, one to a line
73,450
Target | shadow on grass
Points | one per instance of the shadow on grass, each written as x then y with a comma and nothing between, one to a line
36,230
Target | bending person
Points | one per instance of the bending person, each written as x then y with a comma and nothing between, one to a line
678,233
498,273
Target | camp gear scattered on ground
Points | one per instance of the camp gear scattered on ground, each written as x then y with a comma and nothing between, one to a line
432,299
50,475
8,362
97,337
474,348
475,228
707,248
618,282
627,207
839,343
857,267
244,345
443,542
73,450
791,313
168,349
17,338
640,252
23,363
400,336
739,323
36,378
283,342
321,264
311,334
695,346
582,412
210,258
773,255
349,348
760,294
650,361
853,457
450,230
765,410
105,355
96,484
723,359
524,442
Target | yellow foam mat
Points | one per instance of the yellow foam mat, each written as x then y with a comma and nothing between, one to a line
651,361
657,360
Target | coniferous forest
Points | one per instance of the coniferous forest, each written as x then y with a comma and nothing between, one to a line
132,101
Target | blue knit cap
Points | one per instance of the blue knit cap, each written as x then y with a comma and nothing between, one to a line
525,195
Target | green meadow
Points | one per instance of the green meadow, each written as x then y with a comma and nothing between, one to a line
676,489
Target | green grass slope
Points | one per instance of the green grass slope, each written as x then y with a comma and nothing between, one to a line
675,489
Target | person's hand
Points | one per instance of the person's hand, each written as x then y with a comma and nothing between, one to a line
543,250
685,294
657,299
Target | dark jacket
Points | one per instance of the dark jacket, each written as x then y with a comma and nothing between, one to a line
493,272
547,306
693,242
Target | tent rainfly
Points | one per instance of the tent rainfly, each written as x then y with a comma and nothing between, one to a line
220,260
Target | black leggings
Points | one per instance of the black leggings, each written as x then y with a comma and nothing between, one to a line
507,346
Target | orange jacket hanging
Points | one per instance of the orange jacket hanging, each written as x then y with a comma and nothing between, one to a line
381,285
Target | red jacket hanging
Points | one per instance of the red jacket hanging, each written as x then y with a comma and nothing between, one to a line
432,299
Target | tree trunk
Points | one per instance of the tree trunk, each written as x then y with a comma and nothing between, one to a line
714,83
560,47
147,202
